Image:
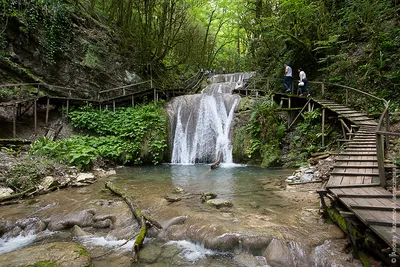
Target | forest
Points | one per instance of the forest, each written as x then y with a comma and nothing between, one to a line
354,43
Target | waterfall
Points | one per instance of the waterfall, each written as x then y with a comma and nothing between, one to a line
200,123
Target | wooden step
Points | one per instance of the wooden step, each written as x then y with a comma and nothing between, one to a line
336,173
363,139
356,166
357,154
350,186
360,146
359,150
357,160
383,208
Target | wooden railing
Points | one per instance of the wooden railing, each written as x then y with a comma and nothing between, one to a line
382,129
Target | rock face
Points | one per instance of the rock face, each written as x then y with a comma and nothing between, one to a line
62,254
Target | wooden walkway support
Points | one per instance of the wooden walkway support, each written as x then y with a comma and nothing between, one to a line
355,179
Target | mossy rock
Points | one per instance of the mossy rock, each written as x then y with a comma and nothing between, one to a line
48,255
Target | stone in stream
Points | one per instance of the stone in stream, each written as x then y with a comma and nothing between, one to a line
69,254
219,203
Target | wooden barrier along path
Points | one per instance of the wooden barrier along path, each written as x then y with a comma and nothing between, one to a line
355,179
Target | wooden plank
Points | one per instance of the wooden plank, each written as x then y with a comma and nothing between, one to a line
351,186
355,166
387,235
362,196
370,207
347,173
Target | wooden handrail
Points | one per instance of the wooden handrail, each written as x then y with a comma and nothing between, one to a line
380,147
123,87
18,84
351,88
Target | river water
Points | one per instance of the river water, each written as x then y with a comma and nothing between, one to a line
263,208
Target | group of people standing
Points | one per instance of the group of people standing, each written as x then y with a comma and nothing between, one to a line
303,82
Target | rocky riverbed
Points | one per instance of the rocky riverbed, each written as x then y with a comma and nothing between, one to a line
283,230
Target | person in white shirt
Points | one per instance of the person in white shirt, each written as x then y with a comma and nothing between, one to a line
303,83
287,80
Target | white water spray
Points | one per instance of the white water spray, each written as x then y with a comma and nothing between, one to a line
201,123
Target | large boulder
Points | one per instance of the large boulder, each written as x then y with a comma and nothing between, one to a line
60,254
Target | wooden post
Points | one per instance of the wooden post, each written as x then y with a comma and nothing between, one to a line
133,101
387,129
155,96
290,102
15,120
67,111
47,111
323,127
347,96
381,159
113,105
123,91
62,111
35,114
323,89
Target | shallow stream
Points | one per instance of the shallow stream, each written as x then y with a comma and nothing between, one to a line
263,209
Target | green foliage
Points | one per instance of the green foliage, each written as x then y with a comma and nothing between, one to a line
123,137
91,58
52,17
28,173
45,264
267,131
307,137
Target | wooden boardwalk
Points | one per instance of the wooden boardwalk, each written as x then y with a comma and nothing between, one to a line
354,179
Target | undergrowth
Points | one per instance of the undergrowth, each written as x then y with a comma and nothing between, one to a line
128,135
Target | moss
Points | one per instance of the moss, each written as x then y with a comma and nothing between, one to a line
44,264
30,201
364,259
270,156
339,220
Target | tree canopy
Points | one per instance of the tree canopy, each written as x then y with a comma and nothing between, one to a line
353,42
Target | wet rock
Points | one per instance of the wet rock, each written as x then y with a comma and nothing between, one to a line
31,225
281,253
170,251
152,232
5,192
219,203
278,254
85,179
249,260
225,242
255,244
177,190
110,172
13,232
59,253
48,182
175,232
78,232
330,253
82,218
149,253
174,221
254,205
118,260
107,223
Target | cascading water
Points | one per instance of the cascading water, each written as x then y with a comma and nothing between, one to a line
201,123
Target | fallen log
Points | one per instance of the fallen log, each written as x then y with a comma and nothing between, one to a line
136,215
22,194
142,219
217,162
